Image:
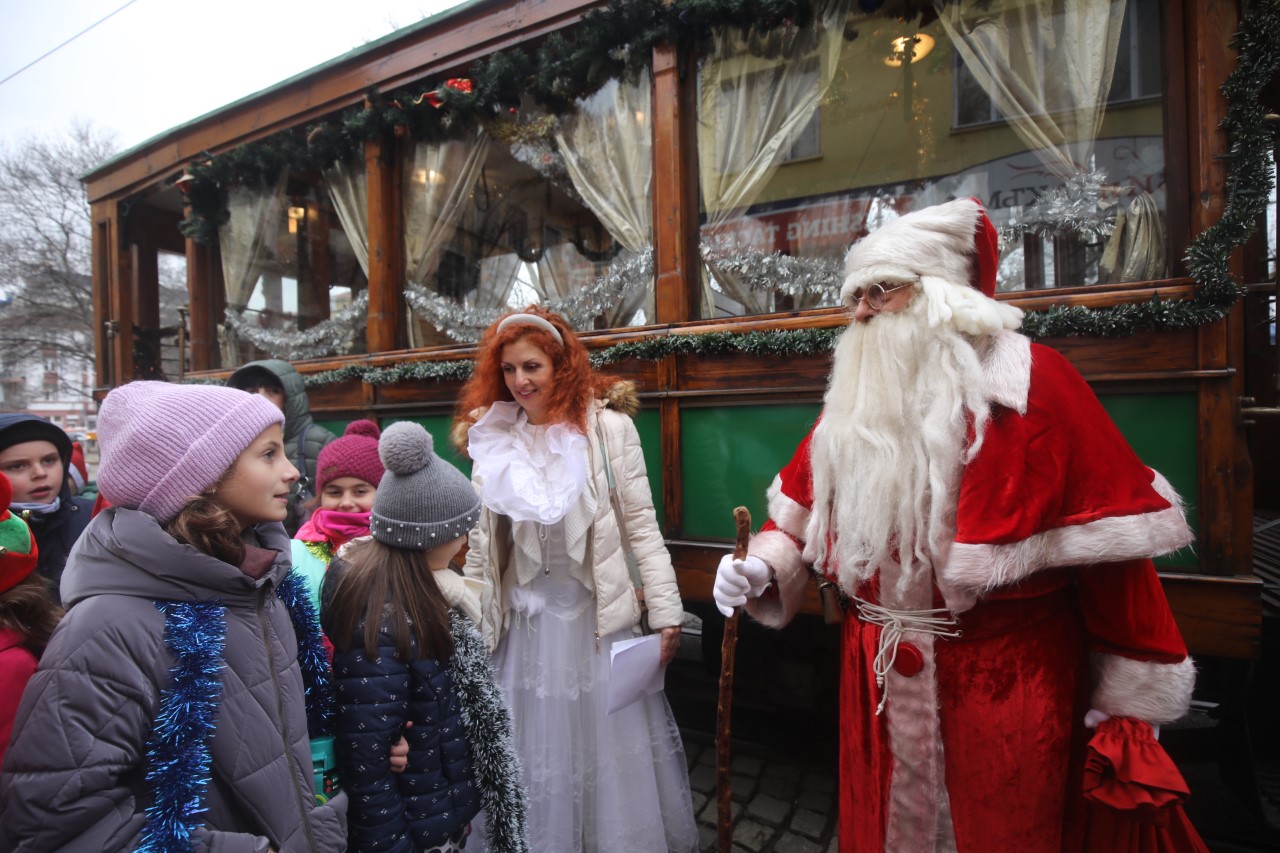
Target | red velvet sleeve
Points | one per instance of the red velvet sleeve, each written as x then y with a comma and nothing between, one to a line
1126,612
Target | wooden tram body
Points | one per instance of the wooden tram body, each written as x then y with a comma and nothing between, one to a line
717,427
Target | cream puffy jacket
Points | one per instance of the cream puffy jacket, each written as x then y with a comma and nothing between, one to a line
490,544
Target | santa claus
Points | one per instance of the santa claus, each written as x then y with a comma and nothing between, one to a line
988,534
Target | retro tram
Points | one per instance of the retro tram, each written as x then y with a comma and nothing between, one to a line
682,179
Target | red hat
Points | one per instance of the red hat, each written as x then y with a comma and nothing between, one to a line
18,553
78,471
986,245
353,455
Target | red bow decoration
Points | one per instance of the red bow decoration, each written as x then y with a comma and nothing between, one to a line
1135,792
457,84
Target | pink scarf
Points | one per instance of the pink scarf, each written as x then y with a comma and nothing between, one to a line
336,528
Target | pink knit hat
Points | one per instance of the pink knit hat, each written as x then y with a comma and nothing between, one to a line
353,455
163,444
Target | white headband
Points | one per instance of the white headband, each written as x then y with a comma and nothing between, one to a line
531,320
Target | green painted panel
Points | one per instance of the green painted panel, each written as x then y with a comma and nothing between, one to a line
729,456
1162,430
649,425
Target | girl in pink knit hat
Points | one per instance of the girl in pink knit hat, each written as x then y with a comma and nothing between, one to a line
175,705
348,471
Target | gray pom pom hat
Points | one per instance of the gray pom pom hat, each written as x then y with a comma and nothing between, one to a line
422,501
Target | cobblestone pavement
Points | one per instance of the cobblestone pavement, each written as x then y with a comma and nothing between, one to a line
778,806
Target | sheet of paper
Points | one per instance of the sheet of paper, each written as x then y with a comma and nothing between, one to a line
636,670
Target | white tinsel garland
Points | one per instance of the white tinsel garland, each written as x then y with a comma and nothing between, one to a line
775,272
334,336
463,324
1077,207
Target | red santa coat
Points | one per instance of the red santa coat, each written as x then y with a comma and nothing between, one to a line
1050,581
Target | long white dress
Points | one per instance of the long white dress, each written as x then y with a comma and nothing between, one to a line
596,781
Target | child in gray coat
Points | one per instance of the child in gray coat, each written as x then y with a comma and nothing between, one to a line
172,707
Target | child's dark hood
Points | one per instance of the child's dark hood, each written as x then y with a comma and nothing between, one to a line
20,428
297,409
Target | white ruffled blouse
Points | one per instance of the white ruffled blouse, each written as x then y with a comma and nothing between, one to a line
537,476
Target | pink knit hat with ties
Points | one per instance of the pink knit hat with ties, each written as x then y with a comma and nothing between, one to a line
353,455
163,444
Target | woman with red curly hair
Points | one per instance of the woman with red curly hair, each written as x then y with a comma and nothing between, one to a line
547,435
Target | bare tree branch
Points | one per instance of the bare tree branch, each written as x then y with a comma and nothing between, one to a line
46,295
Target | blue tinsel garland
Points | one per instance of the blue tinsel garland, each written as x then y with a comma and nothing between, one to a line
178,755
312,657
178,750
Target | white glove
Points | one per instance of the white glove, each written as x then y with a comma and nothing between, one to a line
738,580
1095,718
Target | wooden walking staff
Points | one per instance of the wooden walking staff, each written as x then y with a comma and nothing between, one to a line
724,753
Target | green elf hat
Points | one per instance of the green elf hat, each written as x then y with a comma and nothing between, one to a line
18,555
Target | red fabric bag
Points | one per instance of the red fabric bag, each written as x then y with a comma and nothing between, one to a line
1134,793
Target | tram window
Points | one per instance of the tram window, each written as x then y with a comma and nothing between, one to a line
909,113
533,209
289,264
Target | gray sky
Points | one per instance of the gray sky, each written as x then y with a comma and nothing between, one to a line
160,63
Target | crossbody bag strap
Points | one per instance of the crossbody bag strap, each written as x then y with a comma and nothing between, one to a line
632,566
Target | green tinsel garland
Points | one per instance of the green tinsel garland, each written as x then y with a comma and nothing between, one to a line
618,39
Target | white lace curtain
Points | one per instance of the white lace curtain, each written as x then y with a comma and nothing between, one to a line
437,184
1048,66
751,111
246,241
607,146
349,190
248,237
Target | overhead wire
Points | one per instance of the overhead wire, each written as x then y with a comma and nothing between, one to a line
52,51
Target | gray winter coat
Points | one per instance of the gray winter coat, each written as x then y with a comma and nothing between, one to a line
74,775
303,438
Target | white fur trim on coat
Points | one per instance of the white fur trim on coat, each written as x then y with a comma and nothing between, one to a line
788,514
782,553
1155,692
1006,370
979,568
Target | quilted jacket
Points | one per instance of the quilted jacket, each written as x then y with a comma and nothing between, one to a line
75,774
489,557
436,795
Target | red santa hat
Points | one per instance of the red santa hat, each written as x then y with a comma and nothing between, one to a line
951,251
18,554
77,470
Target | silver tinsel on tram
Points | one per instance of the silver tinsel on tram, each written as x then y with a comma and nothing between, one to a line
334,336
774,272
1077,207
465,325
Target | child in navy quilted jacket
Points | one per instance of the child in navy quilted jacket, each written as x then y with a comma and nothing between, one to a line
409,661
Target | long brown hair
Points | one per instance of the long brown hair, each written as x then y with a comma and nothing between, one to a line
31,609
384,584
205,523
574,381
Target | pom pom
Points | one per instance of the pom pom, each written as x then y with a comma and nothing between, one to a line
364,427
405,448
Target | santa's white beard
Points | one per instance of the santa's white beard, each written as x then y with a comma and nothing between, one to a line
888,454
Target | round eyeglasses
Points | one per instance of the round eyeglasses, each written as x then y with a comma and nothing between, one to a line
876,295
